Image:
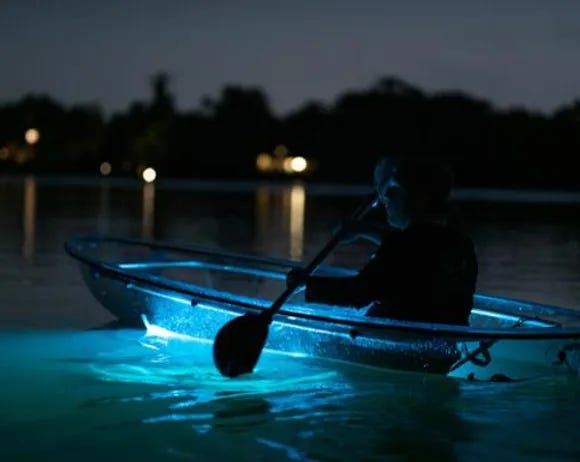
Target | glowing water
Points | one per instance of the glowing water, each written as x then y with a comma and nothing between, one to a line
117,395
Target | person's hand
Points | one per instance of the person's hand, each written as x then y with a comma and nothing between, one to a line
296,277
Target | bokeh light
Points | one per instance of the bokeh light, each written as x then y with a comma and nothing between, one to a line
298,164
149,175
264,162
32,135
105,168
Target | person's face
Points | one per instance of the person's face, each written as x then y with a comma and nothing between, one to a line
394,198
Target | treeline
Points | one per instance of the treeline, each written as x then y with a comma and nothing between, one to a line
222,137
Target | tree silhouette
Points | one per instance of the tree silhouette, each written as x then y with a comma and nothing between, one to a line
243,126
343,139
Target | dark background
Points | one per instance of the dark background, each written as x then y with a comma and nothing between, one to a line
198,89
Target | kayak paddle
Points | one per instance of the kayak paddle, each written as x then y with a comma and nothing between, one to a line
239,342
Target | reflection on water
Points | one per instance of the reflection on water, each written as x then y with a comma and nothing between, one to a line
280,213
29,218
296,234
148,215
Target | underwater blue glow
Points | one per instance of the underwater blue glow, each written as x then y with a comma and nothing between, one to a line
172,405
153,330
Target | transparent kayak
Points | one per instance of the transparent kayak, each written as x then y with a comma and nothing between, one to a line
194,291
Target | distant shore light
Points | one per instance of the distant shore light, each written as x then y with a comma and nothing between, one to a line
264,162
149,175
105,168
299,164
32,135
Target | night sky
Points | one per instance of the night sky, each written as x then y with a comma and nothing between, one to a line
509,52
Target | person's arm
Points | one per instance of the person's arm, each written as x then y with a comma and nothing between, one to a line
354,291
372,232
349,291
334,290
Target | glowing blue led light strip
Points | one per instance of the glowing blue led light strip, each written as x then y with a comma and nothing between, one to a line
196,264
509,317
280,275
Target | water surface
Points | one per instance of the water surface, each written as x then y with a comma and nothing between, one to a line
69,390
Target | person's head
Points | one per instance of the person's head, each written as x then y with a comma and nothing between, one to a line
412,188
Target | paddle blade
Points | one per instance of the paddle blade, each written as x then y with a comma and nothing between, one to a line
239,343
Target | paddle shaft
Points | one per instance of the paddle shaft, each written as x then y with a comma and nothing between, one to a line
358,214
239,342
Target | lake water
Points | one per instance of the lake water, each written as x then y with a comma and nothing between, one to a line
70,391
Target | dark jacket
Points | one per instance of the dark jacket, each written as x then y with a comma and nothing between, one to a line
425,273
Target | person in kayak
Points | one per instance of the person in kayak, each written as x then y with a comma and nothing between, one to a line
425,268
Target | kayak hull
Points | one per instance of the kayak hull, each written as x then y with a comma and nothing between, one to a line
513,340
